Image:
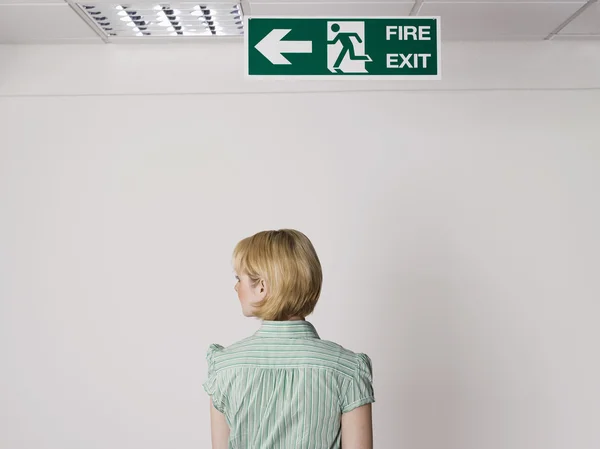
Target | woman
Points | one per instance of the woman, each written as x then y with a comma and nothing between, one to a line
284,387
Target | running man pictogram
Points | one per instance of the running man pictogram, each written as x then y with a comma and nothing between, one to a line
345,38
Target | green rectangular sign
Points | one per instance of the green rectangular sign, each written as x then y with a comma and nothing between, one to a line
351,48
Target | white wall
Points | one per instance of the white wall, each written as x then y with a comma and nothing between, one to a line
218,67
457,231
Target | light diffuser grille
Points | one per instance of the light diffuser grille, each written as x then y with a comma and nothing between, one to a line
164,19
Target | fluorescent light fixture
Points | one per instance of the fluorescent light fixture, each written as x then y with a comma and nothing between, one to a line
147,20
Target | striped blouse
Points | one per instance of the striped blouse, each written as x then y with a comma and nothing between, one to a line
285,388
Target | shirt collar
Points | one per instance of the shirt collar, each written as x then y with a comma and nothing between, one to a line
287,329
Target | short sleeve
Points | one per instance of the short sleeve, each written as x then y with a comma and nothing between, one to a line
212,385
360,389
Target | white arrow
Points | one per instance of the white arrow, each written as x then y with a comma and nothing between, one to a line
271,46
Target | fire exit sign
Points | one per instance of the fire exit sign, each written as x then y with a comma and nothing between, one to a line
348,47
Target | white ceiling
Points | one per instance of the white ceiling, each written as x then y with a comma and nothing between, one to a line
54,21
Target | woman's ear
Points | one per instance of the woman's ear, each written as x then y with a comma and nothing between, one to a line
262,288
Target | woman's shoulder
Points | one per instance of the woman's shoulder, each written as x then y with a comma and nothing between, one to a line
212,353
342,349
215,347
218,350
347,357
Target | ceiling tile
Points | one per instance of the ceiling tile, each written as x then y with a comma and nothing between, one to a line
575,37
505,1
29,23
586,23
500,20
31,3
58,41
330,8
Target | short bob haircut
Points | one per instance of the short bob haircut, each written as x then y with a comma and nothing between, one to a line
287,261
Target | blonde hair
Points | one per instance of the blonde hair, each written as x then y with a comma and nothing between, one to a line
287,261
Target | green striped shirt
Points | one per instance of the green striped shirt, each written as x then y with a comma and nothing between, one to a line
285,388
